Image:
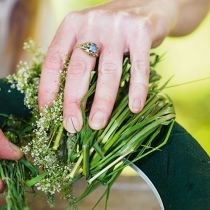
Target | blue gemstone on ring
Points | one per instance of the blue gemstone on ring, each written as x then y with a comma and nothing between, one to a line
93,48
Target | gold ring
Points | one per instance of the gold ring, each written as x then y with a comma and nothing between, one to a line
90,48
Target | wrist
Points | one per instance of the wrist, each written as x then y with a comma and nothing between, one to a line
190,14
164,16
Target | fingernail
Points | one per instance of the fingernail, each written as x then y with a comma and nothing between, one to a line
98,121
136,105
72,124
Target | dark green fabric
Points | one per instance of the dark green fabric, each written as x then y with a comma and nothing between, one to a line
180,171
11,101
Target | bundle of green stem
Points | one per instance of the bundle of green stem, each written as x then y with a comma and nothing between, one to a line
55,160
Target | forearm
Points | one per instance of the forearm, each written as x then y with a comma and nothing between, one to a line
190,14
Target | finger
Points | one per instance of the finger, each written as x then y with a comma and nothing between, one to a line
8,150
59,49
77,83
109,73
139,81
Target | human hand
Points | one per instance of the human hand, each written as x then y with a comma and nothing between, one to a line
8,151
118,27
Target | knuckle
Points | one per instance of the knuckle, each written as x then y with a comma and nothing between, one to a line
71,100
68,25
138,64
92,13
72,16
143,25
106,101
147,23
123,14
71,97
140,68
109,68
96,12
139,85
77,67
160,27
53,60
122,17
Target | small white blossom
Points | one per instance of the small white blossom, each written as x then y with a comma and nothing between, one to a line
45,126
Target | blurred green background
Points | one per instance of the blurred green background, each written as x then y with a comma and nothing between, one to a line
188,59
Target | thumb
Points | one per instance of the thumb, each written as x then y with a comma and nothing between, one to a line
8,150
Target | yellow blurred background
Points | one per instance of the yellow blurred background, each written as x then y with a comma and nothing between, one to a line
188,59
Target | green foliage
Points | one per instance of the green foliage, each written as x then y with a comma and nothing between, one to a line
55,159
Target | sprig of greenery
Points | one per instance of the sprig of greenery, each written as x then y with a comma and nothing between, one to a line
62,158
15,173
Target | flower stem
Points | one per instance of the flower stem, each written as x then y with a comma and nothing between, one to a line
106,168
76,167
58,138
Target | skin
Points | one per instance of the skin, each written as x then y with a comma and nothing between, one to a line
118,27
8,151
